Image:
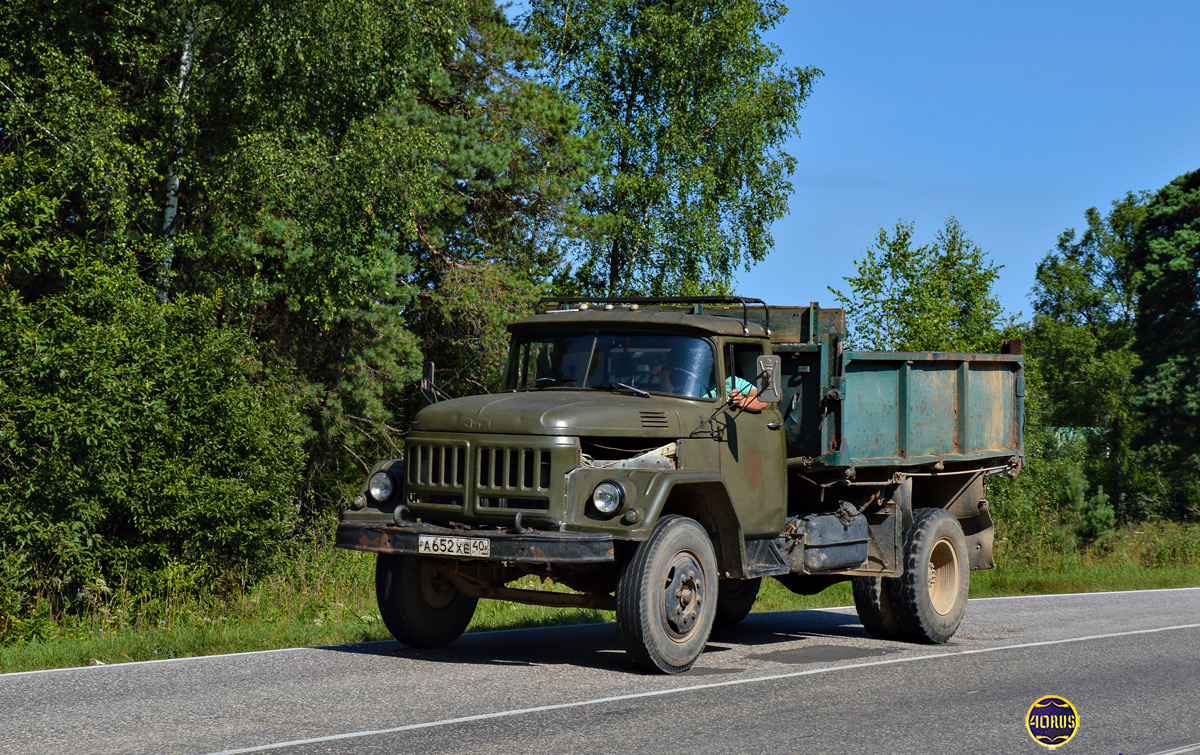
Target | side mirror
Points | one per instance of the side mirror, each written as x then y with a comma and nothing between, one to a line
768,368
429,391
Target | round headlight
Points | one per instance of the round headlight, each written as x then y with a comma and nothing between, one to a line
381,486
608,497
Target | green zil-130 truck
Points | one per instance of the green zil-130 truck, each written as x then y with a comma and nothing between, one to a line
660,456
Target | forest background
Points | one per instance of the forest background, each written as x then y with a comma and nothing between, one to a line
231,233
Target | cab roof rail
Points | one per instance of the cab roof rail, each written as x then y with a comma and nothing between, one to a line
695,302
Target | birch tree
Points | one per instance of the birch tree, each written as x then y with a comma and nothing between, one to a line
689,109
933,297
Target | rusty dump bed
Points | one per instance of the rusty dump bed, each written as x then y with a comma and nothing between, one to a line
918,408
946,406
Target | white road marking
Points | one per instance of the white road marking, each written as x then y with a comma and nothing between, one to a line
696,687
1081,594
1179,750
164,660
522,629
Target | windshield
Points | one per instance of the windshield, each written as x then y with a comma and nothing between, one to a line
672,364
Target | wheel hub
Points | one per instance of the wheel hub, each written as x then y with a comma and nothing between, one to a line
683,595
437,591
943,576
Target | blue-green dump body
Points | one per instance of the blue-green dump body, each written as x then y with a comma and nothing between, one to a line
862,409
905,408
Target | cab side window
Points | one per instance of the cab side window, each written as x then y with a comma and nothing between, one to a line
741,360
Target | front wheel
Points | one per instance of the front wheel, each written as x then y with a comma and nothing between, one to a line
930,597
419,606
667,596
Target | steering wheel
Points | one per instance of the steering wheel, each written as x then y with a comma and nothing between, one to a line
684,381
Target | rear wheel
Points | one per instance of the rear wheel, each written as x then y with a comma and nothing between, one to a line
419,606
931,596
735,598
667,596
873,600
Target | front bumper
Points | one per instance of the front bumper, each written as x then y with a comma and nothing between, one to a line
529,546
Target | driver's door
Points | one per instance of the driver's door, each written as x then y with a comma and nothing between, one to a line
752,454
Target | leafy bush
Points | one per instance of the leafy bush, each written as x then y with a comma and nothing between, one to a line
1167,544
136,441
1046,511
1024,508
1085,521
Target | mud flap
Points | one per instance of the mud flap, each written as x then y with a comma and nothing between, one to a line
980,533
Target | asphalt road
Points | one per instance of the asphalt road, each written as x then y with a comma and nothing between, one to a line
804,681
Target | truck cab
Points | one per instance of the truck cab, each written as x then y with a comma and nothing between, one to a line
661,456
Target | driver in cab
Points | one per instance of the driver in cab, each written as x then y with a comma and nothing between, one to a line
682,379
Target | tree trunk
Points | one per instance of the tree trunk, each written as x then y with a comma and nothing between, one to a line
614,268
171,203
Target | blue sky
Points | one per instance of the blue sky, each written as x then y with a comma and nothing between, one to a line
1014,117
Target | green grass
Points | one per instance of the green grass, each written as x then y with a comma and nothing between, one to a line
1081,578
327,597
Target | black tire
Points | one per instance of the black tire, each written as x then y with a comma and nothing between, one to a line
735,598
418,607
931,596
873,601
667,596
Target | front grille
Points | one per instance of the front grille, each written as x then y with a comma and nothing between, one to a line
494,476
513,502
441,499
512,468
437,465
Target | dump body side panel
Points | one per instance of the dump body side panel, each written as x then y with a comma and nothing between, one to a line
914,408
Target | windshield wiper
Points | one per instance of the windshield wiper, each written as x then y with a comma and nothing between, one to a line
626,386
546,382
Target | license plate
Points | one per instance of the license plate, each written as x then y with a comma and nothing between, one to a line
460,547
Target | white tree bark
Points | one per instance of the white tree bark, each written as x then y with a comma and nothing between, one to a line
171,208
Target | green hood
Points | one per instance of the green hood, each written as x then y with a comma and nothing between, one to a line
561,412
